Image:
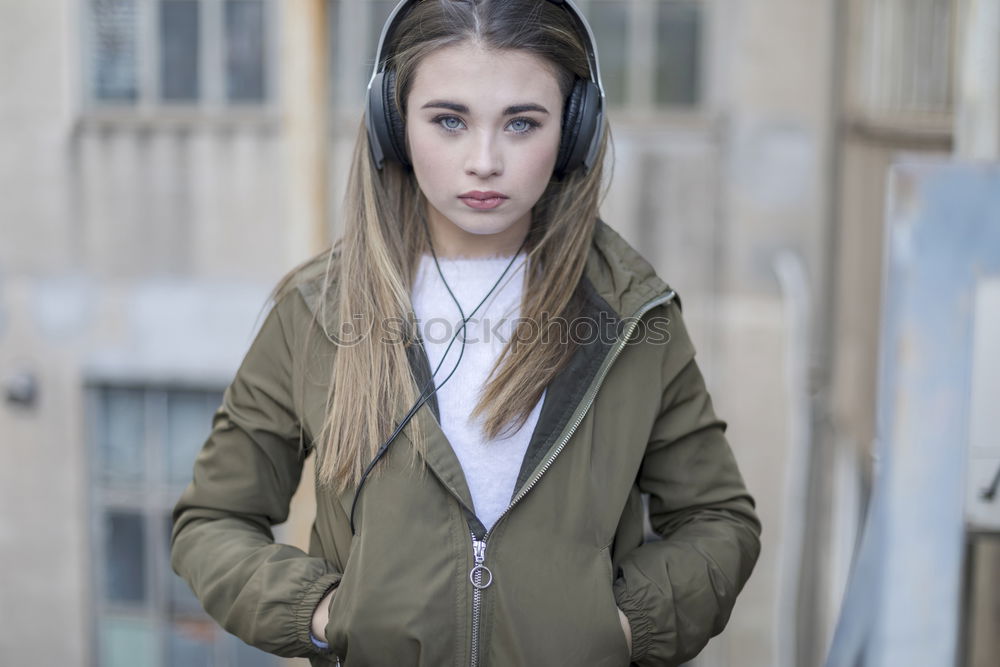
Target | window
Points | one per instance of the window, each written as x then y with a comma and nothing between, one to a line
905,63
143,441
179,52
650,51
113,31
355,26
678,62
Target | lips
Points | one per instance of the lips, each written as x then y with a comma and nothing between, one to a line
478,199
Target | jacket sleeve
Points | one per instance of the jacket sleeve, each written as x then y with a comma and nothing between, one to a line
678,592
244,477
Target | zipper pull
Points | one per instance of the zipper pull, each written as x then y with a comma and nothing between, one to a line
479,570
479,548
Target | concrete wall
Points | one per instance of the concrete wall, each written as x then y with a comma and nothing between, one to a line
117,237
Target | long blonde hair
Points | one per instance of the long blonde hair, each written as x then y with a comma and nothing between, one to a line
373,265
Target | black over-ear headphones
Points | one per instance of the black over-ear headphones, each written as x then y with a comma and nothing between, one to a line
583,115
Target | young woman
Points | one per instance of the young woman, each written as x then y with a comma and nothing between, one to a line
490,378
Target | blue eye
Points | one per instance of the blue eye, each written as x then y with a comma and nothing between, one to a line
523,125
450,123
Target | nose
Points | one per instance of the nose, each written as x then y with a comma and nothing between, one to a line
484,159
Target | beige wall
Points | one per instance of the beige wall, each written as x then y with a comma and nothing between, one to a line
99,216
42,535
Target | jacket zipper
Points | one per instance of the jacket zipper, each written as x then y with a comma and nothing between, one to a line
476,575
479,570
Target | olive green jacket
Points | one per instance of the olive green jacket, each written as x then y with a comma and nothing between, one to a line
630,415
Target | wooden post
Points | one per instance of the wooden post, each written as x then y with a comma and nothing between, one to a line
306,94
306,85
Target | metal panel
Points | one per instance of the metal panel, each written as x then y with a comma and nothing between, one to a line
943,237
982,508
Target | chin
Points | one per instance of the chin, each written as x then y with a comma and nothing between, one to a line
484,224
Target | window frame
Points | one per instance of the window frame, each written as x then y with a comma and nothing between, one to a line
212,95
152,500
885,117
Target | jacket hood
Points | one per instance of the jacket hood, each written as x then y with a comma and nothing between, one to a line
623,278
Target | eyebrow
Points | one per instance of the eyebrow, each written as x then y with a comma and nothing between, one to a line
461,108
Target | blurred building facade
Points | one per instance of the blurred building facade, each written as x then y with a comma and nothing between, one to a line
164,162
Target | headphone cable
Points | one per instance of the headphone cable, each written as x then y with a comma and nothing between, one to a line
424,396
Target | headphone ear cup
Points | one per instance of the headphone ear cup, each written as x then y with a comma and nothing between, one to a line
378,133
386,129
394,120
580,126
570,128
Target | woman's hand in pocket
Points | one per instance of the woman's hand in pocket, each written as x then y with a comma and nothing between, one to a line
321,616
627,629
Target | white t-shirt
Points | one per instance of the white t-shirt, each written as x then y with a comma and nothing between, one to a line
490,466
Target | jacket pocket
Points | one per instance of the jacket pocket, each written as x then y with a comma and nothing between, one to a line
336,628
612,604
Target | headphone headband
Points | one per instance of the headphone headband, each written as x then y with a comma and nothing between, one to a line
397,14
586,104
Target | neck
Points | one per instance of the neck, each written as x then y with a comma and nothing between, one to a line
452,242
486,249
